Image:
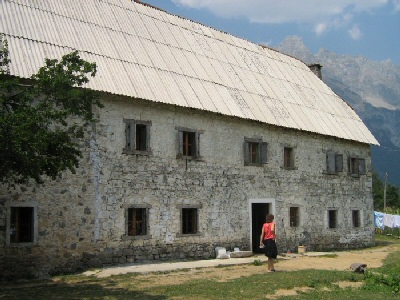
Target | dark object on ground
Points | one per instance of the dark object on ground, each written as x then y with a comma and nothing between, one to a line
358,268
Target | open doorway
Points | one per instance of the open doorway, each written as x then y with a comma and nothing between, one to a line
258,213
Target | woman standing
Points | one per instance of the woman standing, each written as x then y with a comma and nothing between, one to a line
267,240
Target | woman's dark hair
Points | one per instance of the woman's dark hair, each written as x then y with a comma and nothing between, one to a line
270,218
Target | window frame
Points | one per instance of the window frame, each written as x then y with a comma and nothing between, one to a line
356,222
131,137
356,166
289,158
181,208
334,163
296,215
335,224
127,207
261,154
195,143
34,224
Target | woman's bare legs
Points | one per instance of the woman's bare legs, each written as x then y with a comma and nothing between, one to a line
271,264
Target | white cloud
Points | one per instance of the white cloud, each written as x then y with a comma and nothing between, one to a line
285,11
396,4
320,28
355,32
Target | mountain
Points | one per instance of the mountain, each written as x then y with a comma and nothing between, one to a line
372,88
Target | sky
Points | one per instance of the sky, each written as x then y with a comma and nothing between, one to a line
369,28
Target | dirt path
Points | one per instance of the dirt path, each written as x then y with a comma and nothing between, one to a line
336,261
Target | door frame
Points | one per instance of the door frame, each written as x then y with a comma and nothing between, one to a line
271,204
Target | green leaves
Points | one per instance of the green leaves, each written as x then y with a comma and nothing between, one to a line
42,119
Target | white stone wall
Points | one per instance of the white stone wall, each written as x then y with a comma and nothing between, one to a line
81,217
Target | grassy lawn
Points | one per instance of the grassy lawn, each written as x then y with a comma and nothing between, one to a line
380,283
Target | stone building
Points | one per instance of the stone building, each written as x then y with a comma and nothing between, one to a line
201,134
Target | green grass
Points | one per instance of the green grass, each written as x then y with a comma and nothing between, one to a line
380,283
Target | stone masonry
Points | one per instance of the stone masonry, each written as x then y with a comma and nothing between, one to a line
80,219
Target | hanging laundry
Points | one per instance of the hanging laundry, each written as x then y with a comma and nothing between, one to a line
378,219
388,220
396,221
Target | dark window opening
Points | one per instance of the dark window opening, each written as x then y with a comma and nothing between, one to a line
21,225
338,163
189,220
356,218
294,217
357,166
288,159
137,221
141,137
137,137
332,218
334,162
255,152
189,143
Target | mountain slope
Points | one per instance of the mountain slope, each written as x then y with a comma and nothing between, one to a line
371,88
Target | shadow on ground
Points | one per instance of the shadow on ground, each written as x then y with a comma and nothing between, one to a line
61,290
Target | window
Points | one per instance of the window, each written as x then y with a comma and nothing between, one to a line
137,221
294,217
255,152
356,166
137,137
189,143
355,216
22,225
332,218
189,220
288,158
334,162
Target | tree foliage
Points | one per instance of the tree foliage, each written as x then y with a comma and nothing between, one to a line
392,194
42,119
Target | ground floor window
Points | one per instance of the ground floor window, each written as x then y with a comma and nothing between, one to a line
294,216
22,223
189,220
356,218
332,218
137,221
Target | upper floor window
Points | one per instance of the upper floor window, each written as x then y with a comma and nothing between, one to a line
189,143
22,224
255,152
356,166
334,162
288,158
137,139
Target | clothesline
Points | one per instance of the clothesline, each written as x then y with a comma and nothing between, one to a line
383,220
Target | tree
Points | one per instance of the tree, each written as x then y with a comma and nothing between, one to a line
43,119
392,194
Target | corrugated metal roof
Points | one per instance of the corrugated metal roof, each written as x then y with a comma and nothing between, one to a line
147,53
